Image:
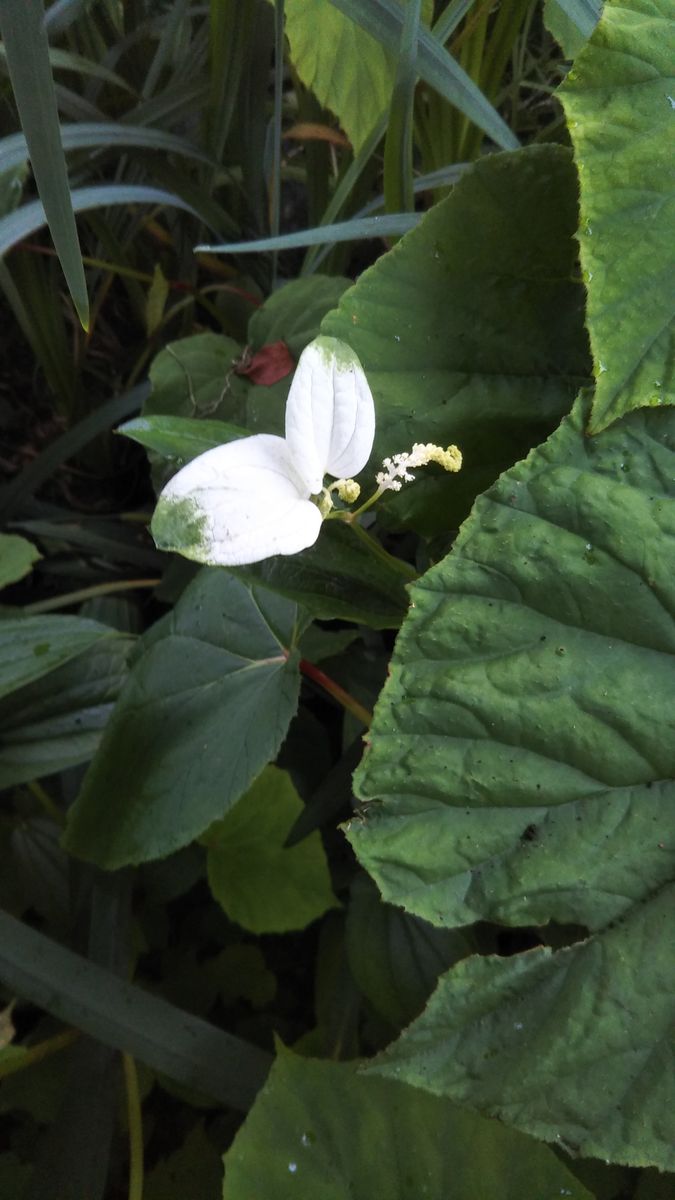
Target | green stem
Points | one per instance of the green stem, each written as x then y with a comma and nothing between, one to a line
50,807
35,1054
348,702
396,564
135,1123
98,589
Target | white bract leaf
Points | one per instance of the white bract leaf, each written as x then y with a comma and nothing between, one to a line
250,499
330,415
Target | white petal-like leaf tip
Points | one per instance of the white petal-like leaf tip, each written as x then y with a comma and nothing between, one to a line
330,415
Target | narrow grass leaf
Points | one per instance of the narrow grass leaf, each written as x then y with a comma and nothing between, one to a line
392,225
70,443
30,217
102,135
398,146
119,1014
27,50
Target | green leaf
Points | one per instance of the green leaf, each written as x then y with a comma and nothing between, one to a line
293,314
341,576
156,301
195,1169
349,71
263,886
17,556
384,18
396,959
195,377
56,722
179,439
573,1047
27,51
522,747
14,1175
521,765
124,1016
32,646
471,330
319,1129
223,660
619,100
571,22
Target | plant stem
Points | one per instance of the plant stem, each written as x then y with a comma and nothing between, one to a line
50,807
98,589
35,1054
348,702
396,564
135,1122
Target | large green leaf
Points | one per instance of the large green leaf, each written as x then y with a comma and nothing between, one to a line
383,19
471,329
263,885
573,1047
57,721
205,708
396,959
195,377
619,102
293,314
318,1129
30,647
341,576
521,770
524,744
348,70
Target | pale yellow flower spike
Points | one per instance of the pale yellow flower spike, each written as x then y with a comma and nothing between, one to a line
398,469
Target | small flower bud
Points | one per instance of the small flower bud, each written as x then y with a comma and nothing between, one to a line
348,490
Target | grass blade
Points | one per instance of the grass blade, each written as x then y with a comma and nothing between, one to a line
102,135
124,1016
398,146
383,19
392,225
27,50
230,28
62,13
69,444
31,217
